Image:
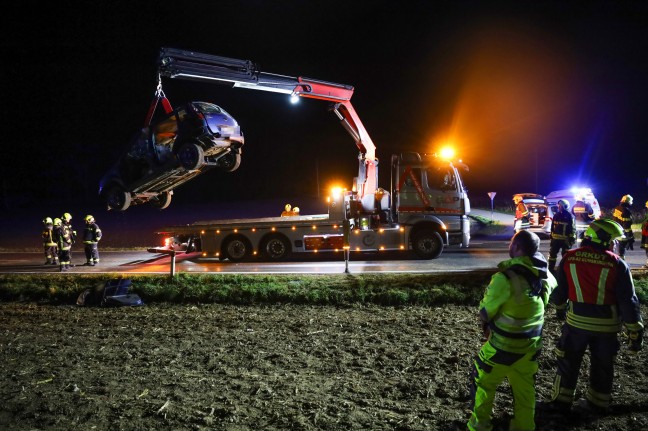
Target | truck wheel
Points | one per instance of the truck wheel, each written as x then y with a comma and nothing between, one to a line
237,248
230,162
276,247
161,201
427,244
191,156
118,199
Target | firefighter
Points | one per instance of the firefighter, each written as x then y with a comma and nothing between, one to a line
600,290
287,212
644,234
63,237
522,221
623,216
583,215
91,237
563,233
66,223
512,315
49,245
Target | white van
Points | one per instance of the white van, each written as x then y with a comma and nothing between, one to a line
572,196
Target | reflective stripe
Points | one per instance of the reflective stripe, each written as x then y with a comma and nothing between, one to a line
577,287
600,298
595,324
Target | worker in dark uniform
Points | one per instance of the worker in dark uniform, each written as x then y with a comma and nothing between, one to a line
91,237
522,221
512,315
623,216
583,216
563,233
66,224
63,237
49,245
644,234
601,294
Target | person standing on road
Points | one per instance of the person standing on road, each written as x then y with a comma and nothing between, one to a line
49,244
563,233
63,238
512,316
522,221
644,234
91,237
583,215
599,288
66,225
623,216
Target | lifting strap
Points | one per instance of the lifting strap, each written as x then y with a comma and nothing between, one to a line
159,95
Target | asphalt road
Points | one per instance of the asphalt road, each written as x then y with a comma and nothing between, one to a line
482,254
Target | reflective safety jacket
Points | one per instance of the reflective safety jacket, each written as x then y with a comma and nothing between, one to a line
600,290
91,234
514,303
63,237
563,226
623,216
583,213
48,237
644,232
521,211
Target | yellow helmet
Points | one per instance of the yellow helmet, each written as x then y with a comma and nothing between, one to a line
296,209
66,216
287,207
604,231
646,204
627,199
47,220
89,219
57,222
517,199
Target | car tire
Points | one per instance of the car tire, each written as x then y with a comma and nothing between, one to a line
191,156
427,244
161,201
230,162
276,247
118,199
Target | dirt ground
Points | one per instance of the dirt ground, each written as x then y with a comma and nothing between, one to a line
215,367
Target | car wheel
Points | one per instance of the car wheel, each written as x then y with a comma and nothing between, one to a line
427,244
276,247
118,199
161,201
230,162
191,156
237,249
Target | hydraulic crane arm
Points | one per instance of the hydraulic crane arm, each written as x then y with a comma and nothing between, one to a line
175,63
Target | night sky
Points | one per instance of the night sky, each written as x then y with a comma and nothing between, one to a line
535,96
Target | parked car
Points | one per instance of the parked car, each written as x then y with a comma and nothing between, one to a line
189,141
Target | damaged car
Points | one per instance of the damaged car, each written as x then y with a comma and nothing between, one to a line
187,142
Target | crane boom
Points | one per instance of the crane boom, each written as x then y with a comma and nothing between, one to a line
175,63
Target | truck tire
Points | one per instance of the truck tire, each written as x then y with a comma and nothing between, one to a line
427,244
161,201
118,199
191,156
237,248
230,162
276,247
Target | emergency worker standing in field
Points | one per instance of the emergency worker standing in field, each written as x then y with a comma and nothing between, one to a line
599,288
512,315
583,216
563,233
623,216
522,221
49,245
644,234
91,237
63,238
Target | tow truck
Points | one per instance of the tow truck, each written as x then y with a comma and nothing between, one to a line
425,209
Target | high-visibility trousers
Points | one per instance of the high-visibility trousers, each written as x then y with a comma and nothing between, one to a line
490,369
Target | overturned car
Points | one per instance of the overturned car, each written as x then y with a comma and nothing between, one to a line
190,140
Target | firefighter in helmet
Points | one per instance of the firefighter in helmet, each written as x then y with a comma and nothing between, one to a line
522,221
599,288
287,212
63,238
644,234
623,216
563,233
91,237
49,244
66,224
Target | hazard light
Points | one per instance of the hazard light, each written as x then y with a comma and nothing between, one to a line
447,153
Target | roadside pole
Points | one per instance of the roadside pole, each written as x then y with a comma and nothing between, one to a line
346,229
491,195
171,254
